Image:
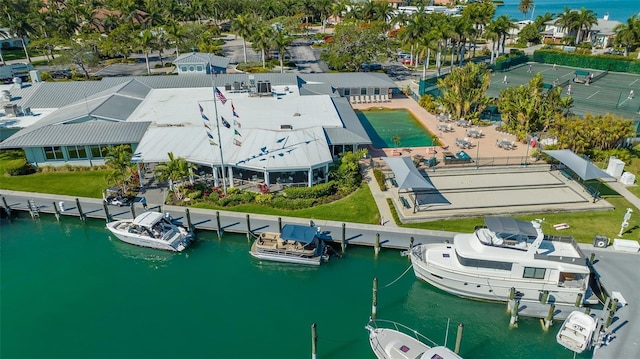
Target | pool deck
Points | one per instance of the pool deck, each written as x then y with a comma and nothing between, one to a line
484,147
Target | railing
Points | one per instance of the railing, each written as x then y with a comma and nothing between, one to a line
388,324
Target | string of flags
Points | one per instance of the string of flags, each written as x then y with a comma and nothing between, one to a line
207,126
236,124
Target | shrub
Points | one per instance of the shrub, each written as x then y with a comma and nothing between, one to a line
194,194
379,175
286,203
264,199
428,103
319,190
19,167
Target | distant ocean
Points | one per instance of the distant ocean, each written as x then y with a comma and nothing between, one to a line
619,10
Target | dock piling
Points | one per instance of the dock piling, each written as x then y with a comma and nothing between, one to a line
189,224
248,228
579,300
218,228
548,321
314,341
614,305
343,242
56,211
411,240
513,322
106,212
592,258
7,209
544,297
280,224
512,294
133,210
376,246
374,303
459,338
83,218
609,320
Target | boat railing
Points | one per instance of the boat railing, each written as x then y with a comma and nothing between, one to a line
381,323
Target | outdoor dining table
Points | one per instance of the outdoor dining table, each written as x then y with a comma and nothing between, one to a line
463,143
444,127
463,123
507,145
474,133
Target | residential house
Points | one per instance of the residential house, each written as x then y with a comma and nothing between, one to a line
201,63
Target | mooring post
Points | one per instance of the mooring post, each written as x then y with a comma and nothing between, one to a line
248,228
459,338
57,211
549,319
343,242
579,300
133,210
587,310
218,229
609,320
374,302
544,297
513,322
189,224
614,305
314,342
512,294
279,224
6,206
106,211
82,216
376,246
592,258
411,240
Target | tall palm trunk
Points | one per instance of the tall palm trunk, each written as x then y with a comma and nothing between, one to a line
244,50
24,47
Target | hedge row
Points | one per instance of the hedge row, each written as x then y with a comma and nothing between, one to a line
613,63
317,191
379,175
510,60
19,167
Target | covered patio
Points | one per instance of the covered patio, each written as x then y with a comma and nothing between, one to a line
580,167
417,186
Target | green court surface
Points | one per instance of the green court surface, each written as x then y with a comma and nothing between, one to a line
608,93
382,126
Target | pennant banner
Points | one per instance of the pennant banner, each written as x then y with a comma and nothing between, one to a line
237,143
225,123
237,124
233,109
235,132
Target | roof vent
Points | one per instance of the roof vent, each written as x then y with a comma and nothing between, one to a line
286,127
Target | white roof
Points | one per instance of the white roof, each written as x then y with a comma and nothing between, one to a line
255,138
148,219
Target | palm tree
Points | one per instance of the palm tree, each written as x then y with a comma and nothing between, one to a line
175,32
118,159
524,7
280,41
261,40
584,21
146,42
243,25
479,14
175,170
20,24
502,25
628,35
566,20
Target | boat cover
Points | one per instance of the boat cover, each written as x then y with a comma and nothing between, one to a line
511,226
302,234
148,219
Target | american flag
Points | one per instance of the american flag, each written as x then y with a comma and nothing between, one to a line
220,96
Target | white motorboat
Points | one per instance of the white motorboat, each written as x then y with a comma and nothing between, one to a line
507,253
153,230
576,331
295,244
391,340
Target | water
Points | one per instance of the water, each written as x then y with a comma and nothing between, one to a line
382,126
70,291
619,10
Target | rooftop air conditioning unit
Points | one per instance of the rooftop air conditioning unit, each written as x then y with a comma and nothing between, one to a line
236,86
286,127
600,241
227,87
11,110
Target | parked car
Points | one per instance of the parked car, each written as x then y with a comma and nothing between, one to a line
366,67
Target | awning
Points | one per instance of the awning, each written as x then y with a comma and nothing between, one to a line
302,234
582,167
510,226
407,174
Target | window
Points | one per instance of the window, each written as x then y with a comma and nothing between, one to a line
479,263
191,68
347,92
77,152
376,91
183,68
53,153
535,273
98,151
363,91
199,68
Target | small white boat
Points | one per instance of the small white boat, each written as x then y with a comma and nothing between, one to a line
153,230
295,244
396,341
576,331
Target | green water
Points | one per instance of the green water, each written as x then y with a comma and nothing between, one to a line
68,290
382,126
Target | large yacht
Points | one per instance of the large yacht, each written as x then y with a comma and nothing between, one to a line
153,230
507,253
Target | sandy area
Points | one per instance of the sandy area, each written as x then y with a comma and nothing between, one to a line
484,147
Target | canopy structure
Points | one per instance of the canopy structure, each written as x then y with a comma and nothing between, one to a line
510,226
582,167
411,180
295,232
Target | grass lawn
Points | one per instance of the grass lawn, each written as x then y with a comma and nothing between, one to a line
80,184
359,207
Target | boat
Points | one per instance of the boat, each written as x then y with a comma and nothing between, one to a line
295,244
391,340
152,230
576,332
505,254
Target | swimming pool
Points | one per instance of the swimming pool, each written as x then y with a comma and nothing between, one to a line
382,126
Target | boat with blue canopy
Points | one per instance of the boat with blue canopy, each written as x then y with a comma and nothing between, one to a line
295,244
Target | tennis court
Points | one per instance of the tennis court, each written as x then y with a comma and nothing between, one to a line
608,93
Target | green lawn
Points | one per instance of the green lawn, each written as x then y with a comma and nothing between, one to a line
80,184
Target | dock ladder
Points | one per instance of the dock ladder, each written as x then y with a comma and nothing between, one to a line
33,209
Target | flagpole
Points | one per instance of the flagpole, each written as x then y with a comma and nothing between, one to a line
215,106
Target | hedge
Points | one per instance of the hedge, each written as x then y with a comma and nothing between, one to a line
317,191
379,175
613,63
19,167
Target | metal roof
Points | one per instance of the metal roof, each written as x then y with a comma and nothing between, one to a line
202,58
59,94
353,131
116,107
407,174
582,167
86,133
318,89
